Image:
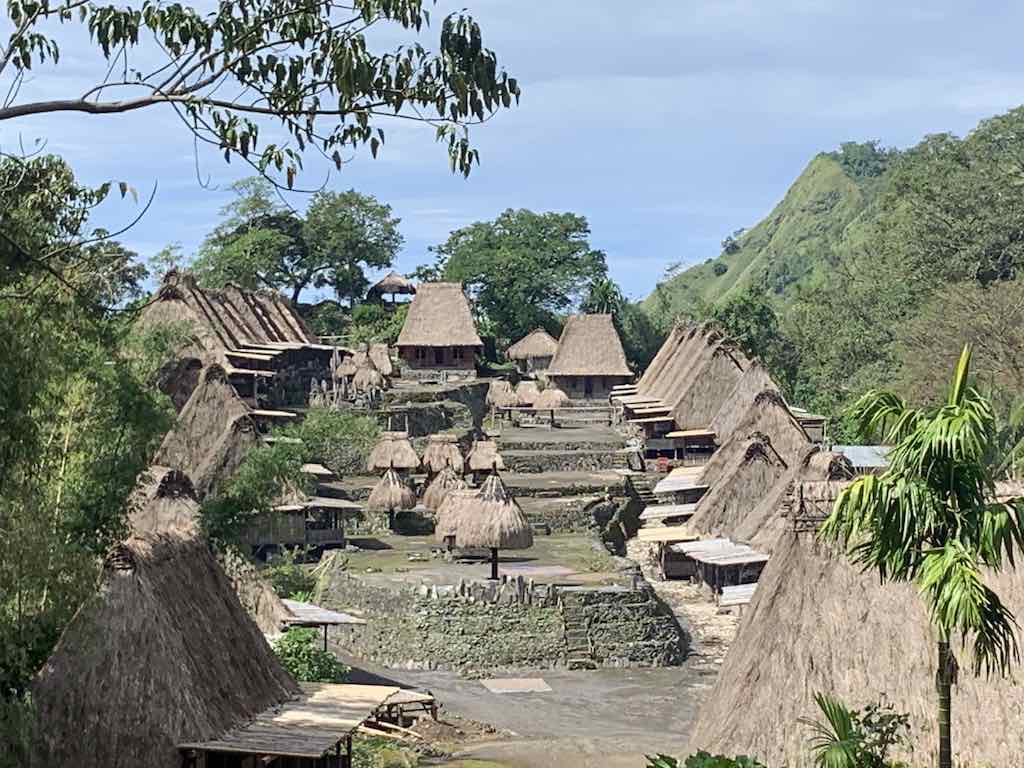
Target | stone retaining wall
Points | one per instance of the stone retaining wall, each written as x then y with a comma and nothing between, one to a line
631,627
535,462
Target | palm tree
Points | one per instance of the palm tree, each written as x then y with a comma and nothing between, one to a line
932,519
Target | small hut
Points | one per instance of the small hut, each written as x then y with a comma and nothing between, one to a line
484,457
492,519
447,523
392,284
442,451
527,393
393,451
500,394
533,352
381,358
391,495
551,398
589,360
439,488
367,377
439,336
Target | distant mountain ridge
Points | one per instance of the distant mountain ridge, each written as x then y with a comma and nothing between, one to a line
796,245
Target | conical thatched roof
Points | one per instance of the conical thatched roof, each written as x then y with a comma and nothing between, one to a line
493,519
500,394
347,367
552,397
163,654
589,346
439,488
211,435
449,512
367,376
381,359
527,392
392,282
439,316
537,343
443,451
484,456
391,494
393,451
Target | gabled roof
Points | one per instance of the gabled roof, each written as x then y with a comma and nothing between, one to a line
537,343
439,316
589,346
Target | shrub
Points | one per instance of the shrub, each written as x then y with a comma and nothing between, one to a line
720,268
855,738
340,439
288,577
300,653
703,760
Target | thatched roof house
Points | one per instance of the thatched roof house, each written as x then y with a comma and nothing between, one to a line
442,485
212,433
816,623
393,451
443,451
392,283
439,334
484,456
492,519
589,360
534,351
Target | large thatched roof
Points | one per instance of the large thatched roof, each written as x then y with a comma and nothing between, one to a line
484,456
442,485
163,654
492,519
818,624
393,451
589,346
212,433
439,316
443,451
392,283
537,343
391,494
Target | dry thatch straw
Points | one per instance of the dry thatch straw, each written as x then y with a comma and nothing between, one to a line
167,634
367,377
381,358
527,393
817,623
393,451
484,456
392,283
442,451
212,433
589,346
439,316
537,343
391,494
492,519
448,513
500,394
552,397
439,488
347,367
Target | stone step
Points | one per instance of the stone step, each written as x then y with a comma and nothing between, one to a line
581,662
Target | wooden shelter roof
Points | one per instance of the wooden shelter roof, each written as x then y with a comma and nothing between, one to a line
306,727
439,316
309,615
664,535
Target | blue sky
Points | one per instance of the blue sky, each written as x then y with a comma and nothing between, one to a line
666,124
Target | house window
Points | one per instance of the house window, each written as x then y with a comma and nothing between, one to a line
457,353
421,353
439,356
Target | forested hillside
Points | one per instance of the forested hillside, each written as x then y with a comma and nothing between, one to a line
876,267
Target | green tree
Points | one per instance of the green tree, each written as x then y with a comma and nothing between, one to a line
524,269
932,519
309,71
300,653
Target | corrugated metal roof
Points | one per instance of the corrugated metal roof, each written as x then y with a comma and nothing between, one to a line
868,456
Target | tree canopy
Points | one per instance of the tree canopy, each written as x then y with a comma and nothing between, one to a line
262,244
523,269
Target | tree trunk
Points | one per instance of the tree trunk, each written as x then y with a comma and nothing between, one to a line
944,685
494,563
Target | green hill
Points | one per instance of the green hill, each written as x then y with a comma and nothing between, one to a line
796,246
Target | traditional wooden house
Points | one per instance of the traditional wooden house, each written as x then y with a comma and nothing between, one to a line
589,361
439,338
533,353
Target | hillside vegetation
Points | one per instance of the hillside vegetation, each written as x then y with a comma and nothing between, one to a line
876,267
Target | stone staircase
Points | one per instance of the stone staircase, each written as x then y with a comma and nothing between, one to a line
579,652
643,487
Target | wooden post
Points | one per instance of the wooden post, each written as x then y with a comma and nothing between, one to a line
494,563
325,637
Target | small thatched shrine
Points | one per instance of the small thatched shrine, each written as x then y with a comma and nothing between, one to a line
446,525
444,483
550,399
439,336
590,359
492,519
501,395
484,457
367,377
381,357
534,352
393,451
391,494
442,451
392,284
527,393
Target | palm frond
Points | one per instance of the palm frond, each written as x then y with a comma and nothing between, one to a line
963,370
836,742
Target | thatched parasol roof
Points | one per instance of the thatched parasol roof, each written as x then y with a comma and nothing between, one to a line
391,494
439,316
393,451
381,359
449,512
367,377
493,519
439,488
163,654
552,397
527,392
443,451
345,366
392,283
537,343
484,456
589,346
500,394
